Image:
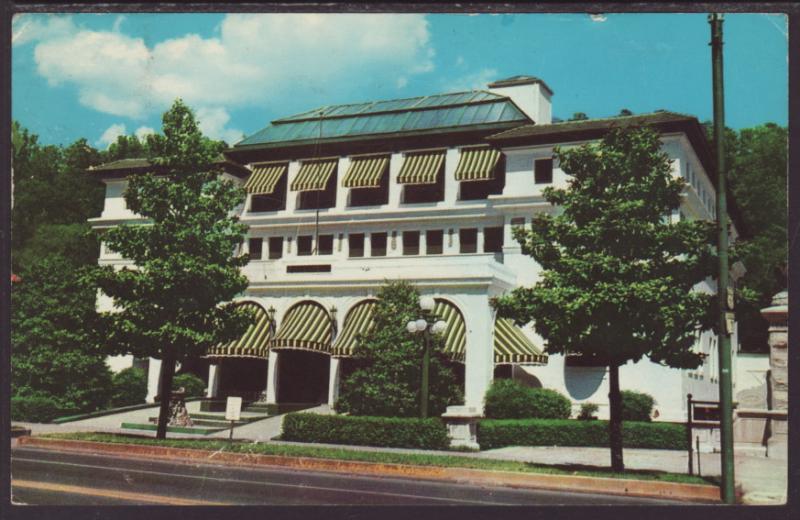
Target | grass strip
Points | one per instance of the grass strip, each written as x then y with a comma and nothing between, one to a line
416,459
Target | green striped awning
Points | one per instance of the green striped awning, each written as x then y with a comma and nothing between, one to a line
358,321
314,175
254,343
477,164
306,326
366,172
455,335
511,345
265,177
421,167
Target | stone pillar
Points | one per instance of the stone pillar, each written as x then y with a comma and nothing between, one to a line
777,316
333,381
153,378
479,359
272,378
214,370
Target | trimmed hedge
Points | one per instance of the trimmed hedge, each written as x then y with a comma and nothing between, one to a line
508,399
566,432
37,409
129,387
194,386
389,432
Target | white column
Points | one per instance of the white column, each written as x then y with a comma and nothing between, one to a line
291,196
368,244
272,378
450,182
423,242
479,241
395,190
342,192
153,378
213,380
479,362
333,381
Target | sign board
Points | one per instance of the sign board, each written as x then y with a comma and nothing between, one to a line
730,322
233,409
730,298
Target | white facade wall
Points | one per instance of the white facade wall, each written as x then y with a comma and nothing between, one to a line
467,280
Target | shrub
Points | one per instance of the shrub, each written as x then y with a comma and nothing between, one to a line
587,411
193,385
636,406
566,432
129,387
508,399
391,432
38,409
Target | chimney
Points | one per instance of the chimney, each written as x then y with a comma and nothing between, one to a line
530,94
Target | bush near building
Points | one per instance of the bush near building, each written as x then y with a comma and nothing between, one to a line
636,406
508,399
129,387
39,409
193,385
568,432
389,432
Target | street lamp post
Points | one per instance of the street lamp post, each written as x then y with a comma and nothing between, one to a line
427,326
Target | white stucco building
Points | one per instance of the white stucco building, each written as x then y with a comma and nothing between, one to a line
428,190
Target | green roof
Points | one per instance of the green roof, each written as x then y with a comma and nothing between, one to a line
462,109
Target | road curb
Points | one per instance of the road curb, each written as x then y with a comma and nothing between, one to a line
571,483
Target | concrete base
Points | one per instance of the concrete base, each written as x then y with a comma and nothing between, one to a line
462,426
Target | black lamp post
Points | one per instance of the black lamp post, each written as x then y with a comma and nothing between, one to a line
427,325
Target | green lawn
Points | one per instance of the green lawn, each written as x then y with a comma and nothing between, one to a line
416,459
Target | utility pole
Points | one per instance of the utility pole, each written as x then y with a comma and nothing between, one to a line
727,489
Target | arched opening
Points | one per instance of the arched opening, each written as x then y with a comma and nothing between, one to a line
242,377
303,376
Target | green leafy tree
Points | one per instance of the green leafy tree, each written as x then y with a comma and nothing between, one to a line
617,277
52,356
756,162
579,116
170,306
388,379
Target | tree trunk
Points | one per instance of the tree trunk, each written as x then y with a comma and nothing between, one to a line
615,419
165,392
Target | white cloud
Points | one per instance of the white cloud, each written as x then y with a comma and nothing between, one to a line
143,131
118,23
402,81
252,60
474,81
111,134
598,17
26,28
213,121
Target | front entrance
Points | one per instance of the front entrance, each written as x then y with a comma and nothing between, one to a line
242,377
303,376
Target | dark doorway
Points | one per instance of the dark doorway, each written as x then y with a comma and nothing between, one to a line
303,377
242,377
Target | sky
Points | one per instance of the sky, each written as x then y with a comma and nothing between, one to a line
101,75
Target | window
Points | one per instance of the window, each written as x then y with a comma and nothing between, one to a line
304,245
255,248
543,171
325,245
275,248
493,239
320,199
468,240
371,196
355,245
480,190
410,243
378,244
275,201
433,241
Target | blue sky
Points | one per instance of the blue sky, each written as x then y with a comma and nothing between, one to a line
98,75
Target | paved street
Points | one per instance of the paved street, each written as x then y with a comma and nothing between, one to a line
53,478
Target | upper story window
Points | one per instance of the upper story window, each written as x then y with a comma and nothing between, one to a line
468,240
493,239
378,244
368,180
255,248
325,245
304,245
434,240
267,187
422,175
480,172
355,245
410,242
275,248
316,182
543,171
